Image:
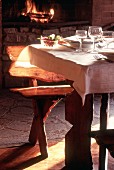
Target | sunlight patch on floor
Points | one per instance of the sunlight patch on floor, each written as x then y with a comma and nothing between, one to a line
55,159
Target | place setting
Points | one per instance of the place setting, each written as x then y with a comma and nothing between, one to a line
105,47
97,42
94,41
84,41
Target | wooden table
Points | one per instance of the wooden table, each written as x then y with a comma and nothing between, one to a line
78,105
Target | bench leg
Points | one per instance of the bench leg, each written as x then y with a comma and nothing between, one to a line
42,108
37,132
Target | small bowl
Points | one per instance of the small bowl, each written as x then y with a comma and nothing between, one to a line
48,42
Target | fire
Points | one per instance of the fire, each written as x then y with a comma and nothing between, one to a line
34,8
52,12
35,15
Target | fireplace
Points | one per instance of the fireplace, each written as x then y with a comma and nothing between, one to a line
45,10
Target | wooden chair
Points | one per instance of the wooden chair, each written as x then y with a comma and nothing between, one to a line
104,137
44,97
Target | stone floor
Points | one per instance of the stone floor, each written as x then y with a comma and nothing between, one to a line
15,120
16,116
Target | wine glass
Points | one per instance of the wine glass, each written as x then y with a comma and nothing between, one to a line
94,32
80,35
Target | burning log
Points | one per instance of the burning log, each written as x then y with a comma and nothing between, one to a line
39,15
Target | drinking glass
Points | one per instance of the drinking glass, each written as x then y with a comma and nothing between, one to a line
94,32
80,35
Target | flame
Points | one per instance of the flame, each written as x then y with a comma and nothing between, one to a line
52,12
33,9
28,4
39,16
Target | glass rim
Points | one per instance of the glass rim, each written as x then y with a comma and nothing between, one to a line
95,26
81,30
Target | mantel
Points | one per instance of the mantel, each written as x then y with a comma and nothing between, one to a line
44,25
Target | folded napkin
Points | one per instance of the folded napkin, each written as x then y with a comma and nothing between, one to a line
108,53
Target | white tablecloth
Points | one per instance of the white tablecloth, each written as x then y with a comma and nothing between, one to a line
89,75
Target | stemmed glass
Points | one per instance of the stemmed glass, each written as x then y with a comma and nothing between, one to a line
94,32
80,35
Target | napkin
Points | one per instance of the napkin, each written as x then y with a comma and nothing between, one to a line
108,53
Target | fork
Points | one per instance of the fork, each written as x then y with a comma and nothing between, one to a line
102,57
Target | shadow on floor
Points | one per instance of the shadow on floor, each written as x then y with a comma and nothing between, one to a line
23,156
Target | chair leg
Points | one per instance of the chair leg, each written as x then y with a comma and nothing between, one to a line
103,126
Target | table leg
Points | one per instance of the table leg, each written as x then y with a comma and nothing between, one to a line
77,140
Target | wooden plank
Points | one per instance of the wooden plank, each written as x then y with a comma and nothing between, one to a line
36,73
44,91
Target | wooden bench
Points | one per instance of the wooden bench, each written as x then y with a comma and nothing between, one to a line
44,97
